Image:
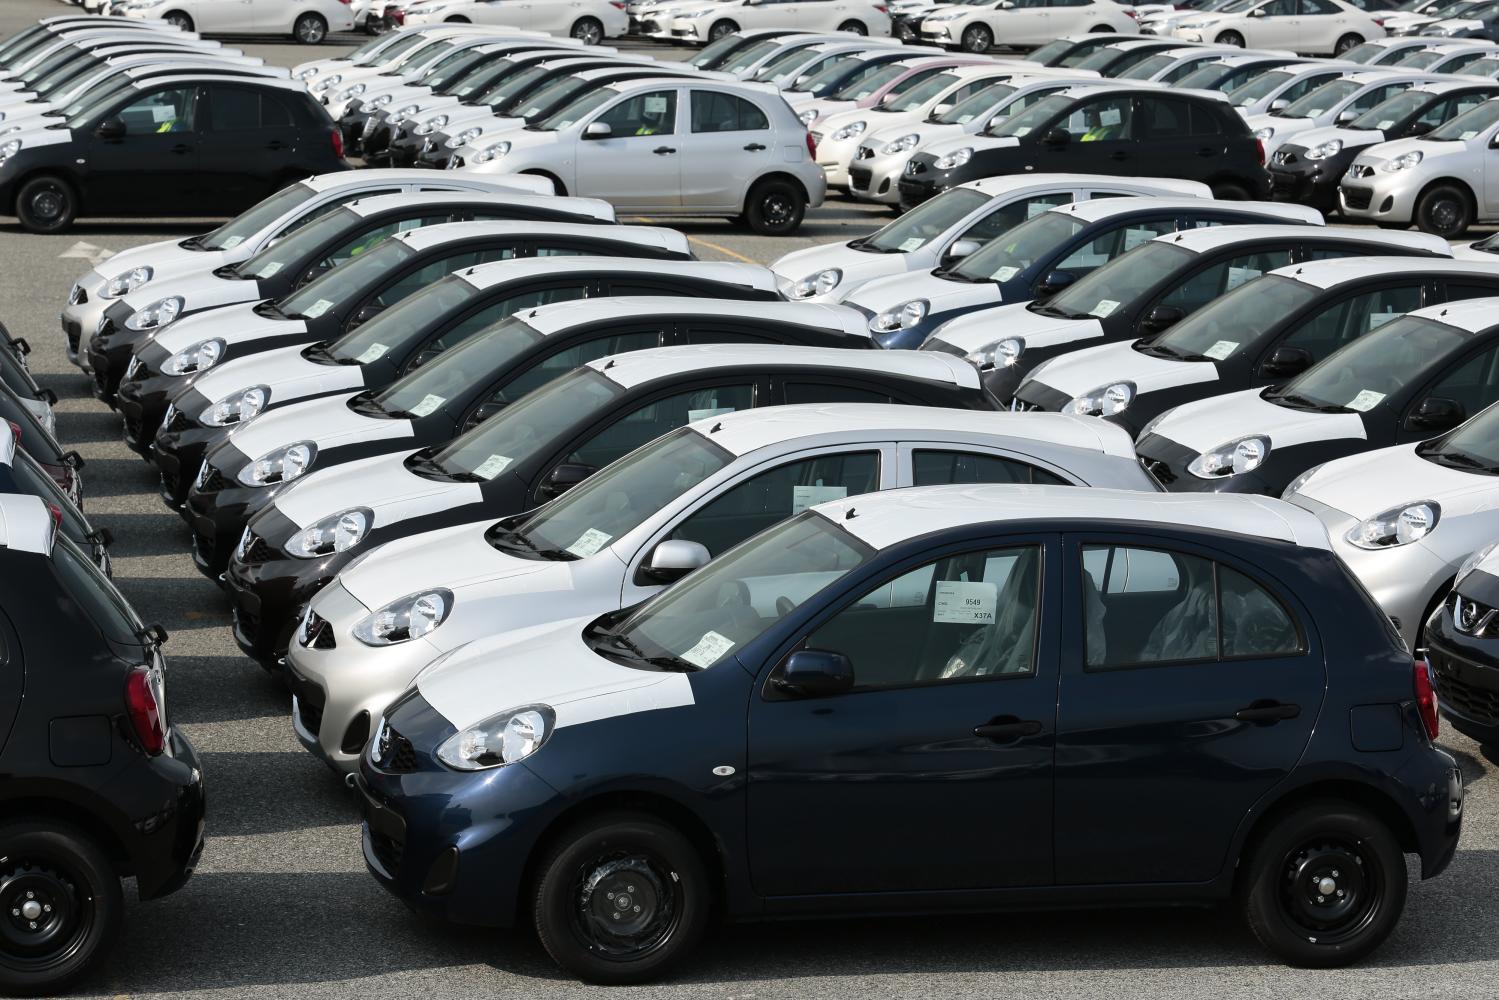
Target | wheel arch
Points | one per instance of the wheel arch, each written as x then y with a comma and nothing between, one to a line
1447,181
50,170
36,804
556,181
777,175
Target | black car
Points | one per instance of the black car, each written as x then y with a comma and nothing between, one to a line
1307,170
20,473
1105,129
1233,72
1481,23
98,784
1115,60
1462,649
34,438
169,149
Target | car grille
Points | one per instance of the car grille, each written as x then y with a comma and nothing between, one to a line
316,633
1359,171
177,421
914,167
133,426
254,549
311,700
101,379
1281,184
388,851
1158,470
74,332
649,25
1357,198
1468,700
860,177
170,481
393,752
817,138
455,163
1283,158
210,479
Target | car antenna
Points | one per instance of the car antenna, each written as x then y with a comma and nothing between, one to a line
848,515
716,427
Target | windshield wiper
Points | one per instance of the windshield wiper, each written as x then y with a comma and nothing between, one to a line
1296,402
319,354
270,310
953,274
670,663
510,538
1462,460
365,404
192,243
1049,310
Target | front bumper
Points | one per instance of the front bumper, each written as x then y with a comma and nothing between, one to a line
81,316
921,180
876,178
1305,182
109,350
167,842
269,590
217,514
1379,197
178,451
142,401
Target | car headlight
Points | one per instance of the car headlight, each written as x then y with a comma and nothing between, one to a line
124,284
1402,162
1331,147
488,153
954,159
237,407
901,145
1000,354
808,117
465,137
156,315
379,102
328,82
410,617
500,739
197,358
901,317
1241,455
308,73
431,124
1264,133
850,130
10,148
1299,482
280,465
353,92
406,112
1397,526
1104,401
1471,563
821,283
338,533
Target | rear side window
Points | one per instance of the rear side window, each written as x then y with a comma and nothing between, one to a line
234,109
832,392
943,468
565,360
714,112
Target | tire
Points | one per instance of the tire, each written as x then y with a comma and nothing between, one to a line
46,204
1230,191
457,19
588,30
854,27
310,29
1345,848
1345,43
775,208
1230,38
977,38
627,856
178,19
1444,210
1102,29
721,28
75,896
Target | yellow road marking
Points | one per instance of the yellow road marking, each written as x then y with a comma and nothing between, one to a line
699,242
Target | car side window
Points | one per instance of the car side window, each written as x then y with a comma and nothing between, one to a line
833,392
371,238
1310,7
715,112
1375,97
1101,120
1301,88
1222,276
654,419
776,494
1107,245
934,467
1473,385
562,361
1344,322
1009,216
971,616
332,205
163,111
653,113
1165,119
496,311
238,109
1279,8
436,270
1457,291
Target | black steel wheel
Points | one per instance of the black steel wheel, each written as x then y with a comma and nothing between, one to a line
775,207
1444,210
46,204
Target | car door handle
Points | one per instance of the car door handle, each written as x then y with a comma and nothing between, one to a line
1118,154
277,144
1206,151
181,149
753,147
1005,728
1267,711
663,151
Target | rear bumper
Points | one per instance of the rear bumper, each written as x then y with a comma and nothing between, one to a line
169,841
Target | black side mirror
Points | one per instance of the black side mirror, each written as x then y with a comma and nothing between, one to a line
102,536
1055,282
1287,361
815,673
563,478
110,129
1160,318
1057,137
484,412
1418,128
73,460
366,312
1437,413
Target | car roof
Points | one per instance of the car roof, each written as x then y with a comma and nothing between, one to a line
582,207
1113,87
637,367
202,72
748,275
1460,83
1330,273
1020,183
1099,209
969,71
1472,315
657,237
888,518
560,316
1133,42
1254,57
750,430
1387,75
375,176
25,523
737,86
1214,237
1414,41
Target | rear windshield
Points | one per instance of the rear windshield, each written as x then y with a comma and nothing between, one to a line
93,592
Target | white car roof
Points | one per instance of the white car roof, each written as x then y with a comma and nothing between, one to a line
1098,209
1473,315
749,430
1254,57
1457,83
1329,273
1414,42
748,275
373,177
559,316
993,68
1017,184
887,518
1308,68
1114,87
1454,48
25,524
655,237
760,87
636,367
1389,75
583,207
1134,43
1213,237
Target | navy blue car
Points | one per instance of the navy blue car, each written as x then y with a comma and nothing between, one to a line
957,697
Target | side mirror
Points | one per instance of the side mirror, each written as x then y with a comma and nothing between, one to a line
1006,5
1055,282
110,128
1436,413
1057,137
1279,104
942,109
1345,116
815,673
1418,128
563,478
674,559
1160,318
598,130
1257,12
1287,361
314,271
962,248
366,313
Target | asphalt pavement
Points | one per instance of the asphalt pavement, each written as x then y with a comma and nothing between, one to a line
282,906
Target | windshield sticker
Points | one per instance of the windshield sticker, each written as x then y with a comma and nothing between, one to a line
1005,273
1385,123
1022,131
803,497
1238,275
1470,133
270,269
709,649
1221,349
492,466
1104,308
711,411
589,542
964,603
429,404
1380,319
914,243
1366,400
232,242
655,105
318,308
374,352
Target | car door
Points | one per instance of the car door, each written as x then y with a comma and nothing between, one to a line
154,164
275,16
1190,685
512,13
12,673
637,165
1100,138
249,146
1177,138
1471,383
949,724
1333,326
223,15
1024,19
728,144
1321,25
1275,24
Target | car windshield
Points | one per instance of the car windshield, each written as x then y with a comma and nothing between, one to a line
976,104
485,355
914,97
1321,100
733,600
1420,59
1386,113
454,69
1033,117
1148,67
576,109
484,79
406,321
93,592
359,54
256,218
1017,249
783,62
42,83
419,56
1368,51
526,426
1100,59
353,277
1204,77
714,51
617,499
62,57
1051,51
828,75
1260,87
372,56
1362,375
1119,283
1235,322
750,55
292,248
99,93
923,223
548,96
1487,67
871,82
95,109
1466,125
514,86
1472,445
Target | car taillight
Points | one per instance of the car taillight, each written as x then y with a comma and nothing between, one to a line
56,513
338,144
1132,15
1259,150
15,431
617,4
1426,699
145,711
811,146
398,16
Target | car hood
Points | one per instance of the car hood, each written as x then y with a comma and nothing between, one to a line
857,268
925,132
36,132
382,483
198,290
1428,149
1375,481
523,140
166,260
984,327
284,371
236,324
1086,370
497,673
1208,423
1468,252
1351,138
942,295
327,422
827,108
1280,124
977,142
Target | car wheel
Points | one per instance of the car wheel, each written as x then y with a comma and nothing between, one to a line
854,27
1230,191
588,30
1444,210
457,19
1230,38
61,906
977,38
720,29
177,19
621,898
1325,885
775,208
1345,43
310,29
1103,29
46,205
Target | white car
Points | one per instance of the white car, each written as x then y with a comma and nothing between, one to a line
877,84
1023,23
1449,57
699,24
749,62
1275,89
589,21
951,226
419,50
1414,13
1384,51
1313,27
1335,103
1169,65
651,518
415,81
382,50
1434,17
308,21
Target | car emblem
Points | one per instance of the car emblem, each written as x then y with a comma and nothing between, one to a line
1465,614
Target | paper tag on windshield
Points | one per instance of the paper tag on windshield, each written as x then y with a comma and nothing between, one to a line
655,105
1468,135
492,466
914,243
803,497
1104,308
712,411
1366,400
232,242
269,270
1022,132
1109,116
589,542
318,308
1380,319
1385,123
964,603
1005,273
1238,275
1221,349
429,404
709,649
374,352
